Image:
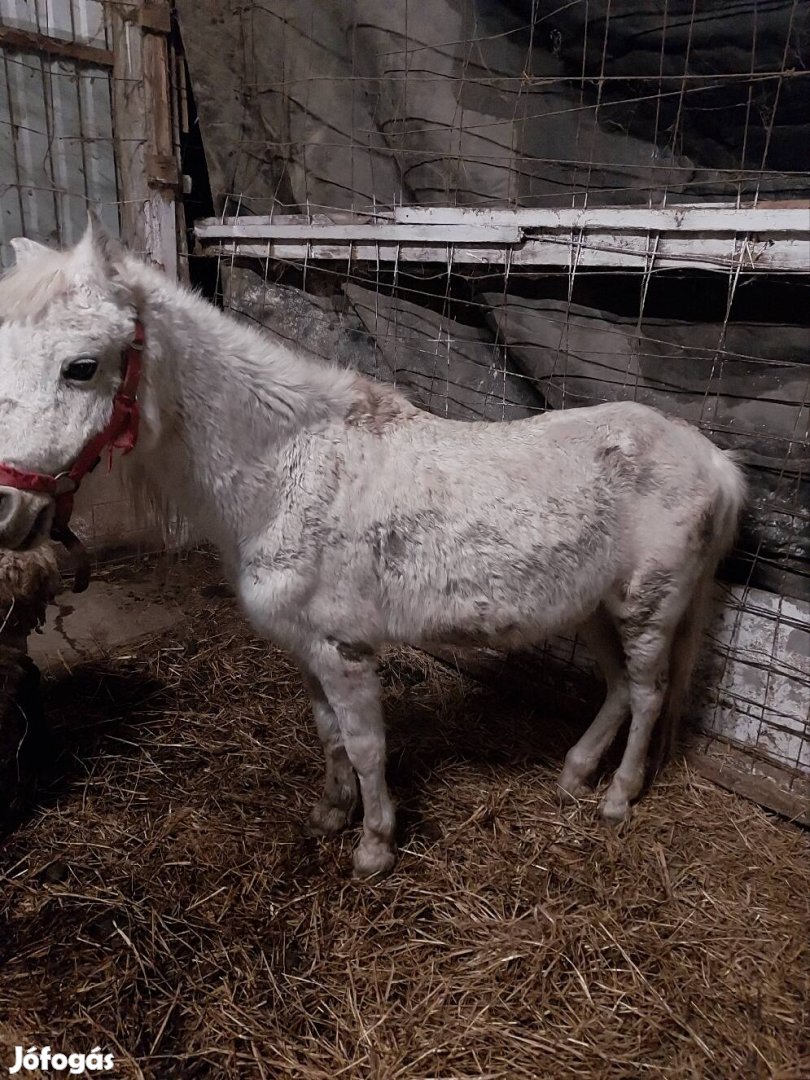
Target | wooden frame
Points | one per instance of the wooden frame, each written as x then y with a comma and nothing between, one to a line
143,123
25,40
775,239
142,112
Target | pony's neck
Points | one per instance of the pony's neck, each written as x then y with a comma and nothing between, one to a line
219,402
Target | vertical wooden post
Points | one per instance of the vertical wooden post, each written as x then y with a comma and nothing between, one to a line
142,119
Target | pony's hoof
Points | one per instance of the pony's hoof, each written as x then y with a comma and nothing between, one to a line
373,861
614,809
571,792
326,820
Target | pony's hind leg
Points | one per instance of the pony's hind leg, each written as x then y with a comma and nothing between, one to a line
336,807
649,617
347,674
582,760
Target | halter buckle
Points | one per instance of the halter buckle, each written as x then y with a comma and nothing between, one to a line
64,484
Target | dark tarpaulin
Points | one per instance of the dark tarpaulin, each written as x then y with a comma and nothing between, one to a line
443,365
354,103
310,322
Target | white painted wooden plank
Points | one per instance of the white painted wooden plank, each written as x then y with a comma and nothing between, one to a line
776,239
160,232
704,218
21,14
55,18
335,217
692,217
778,256
68,20
89,22
247,229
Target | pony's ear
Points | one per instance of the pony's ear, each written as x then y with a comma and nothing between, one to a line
25,249
96,250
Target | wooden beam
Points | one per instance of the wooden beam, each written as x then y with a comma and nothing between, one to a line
737,770
27,41
781,217
689,217
597,253
379,233
142,125
763,238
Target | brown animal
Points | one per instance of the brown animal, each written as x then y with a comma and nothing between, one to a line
29,581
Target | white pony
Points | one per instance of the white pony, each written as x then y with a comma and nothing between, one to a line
347,518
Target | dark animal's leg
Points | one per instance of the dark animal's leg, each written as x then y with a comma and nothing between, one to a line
582,760
349,680
335,808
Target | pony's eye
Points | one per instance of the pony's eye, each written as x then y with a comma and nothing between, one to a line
81,370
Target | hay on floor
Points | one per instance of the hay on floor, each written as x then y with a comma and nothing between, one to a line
160,898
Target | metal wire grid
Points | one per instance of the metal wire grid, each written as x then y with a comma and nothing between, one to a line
378,89
56,131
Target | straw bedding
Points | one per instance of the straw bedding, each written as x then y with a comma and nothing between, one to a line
159,897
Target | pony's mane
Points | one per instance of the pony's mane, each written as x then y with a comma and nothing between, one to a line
28,287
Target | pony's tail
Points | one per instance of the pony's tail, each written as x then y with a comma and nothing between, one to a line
729,501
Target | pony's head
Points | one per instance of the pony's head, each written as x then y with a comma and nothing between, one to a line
66,318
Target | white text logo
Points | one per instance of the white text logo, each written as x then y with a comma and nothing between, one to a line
34,1060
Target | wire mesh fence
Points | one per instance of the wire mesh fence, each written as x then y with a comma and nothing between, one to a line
355,105
56,134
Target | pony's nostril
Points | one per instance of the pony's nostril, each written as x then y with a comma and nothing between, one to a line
9,504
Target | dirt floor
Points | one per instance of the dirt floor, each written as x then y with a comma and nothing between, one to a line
160,899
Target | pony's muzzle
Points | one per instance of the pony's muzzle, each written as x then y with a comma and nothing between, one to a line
25,518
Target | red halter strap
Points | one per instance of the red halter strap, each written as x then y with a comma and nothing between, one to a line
120,433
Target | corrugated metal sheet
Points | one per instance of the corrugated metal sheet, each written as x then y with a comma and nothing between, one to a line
56,132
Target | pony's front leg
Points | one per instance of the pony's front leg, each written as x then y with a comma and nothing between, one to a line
336,807
347,674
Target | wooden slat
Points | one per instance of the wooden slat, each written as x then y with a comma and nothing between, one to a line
144,145
12,38
705,218
774,239
736,770
248,229
593,253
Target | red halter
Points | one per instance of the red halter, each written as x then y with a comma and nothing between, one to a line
121,433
